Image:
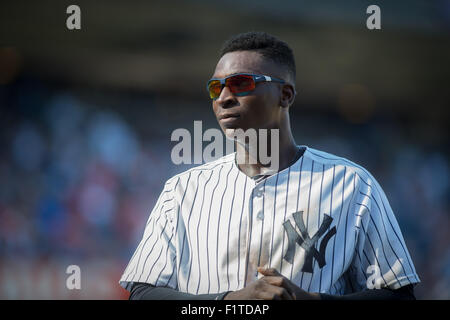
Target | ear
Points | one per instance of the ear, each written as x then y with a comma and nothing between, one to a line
287,95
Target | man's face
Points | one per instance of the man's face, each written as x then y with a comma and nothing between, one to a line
260,109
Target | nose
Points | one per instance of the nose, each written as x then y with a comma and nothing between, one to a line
226,98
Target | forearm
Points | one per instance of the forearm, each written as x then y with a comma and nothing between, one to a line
403,293
145,291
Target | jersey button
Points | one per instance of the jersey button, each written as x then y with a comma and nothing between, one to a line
260,215
258,193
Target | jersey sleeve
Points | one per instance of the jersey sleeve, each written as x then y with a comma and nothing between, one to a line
153,261
381,259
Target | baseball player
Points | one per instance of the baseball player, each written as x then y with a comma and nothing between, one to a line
318,227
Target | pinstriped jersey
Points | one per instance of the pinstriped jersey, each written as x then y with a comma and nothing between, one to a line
324,223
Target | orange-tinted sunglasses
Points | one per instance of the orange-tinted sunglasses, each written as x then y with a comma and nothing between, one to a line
240,84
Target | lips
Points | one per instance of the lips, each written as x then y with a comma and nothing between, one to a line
230,116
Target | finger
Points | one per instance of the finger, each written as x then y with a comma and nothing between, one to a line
268,271
270,292
281,282
285,294
265,295
275,280
290,287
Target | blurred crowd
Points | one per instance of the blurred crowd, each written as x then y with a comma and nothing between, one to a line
78,180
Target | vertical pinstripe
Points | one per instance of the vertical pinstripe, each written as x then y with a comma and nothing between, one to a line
262,226
212,226
285,211
273,220
228,233
318,222
346,224
239,237
188,224
197,234
307,210
218,228
207,232
179,224
297,200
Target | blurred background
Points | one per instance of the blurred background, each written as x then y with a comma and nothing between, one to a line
86,118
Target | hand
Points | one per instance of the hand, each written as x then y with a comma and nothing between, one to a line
273,277
262,289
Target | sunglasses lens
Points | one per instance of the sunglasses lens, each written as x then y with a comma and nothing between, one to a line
237,84
214,88
240,83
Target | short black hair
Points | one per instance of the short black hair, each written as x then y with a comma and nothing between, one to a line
267,45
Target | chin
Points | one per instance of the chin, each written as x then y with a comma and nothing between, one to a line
236,134
229,133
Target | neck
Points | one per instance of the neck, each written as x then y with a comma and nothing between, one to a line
287,149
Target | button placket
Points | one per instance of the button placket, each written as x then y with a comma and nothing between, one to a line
256,219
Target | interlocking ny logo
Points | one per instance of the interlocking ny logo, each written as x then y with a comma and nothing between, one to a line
307,243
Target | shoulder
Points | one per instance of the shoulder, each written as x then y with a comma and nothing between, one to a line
366,189
350,167
184,178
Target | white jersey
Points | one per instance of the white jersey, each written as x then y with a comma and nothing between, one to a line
324,223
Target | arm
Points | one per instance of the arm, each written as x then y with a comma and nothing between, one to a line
145,291
403,293
257,290
274,278
154,258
